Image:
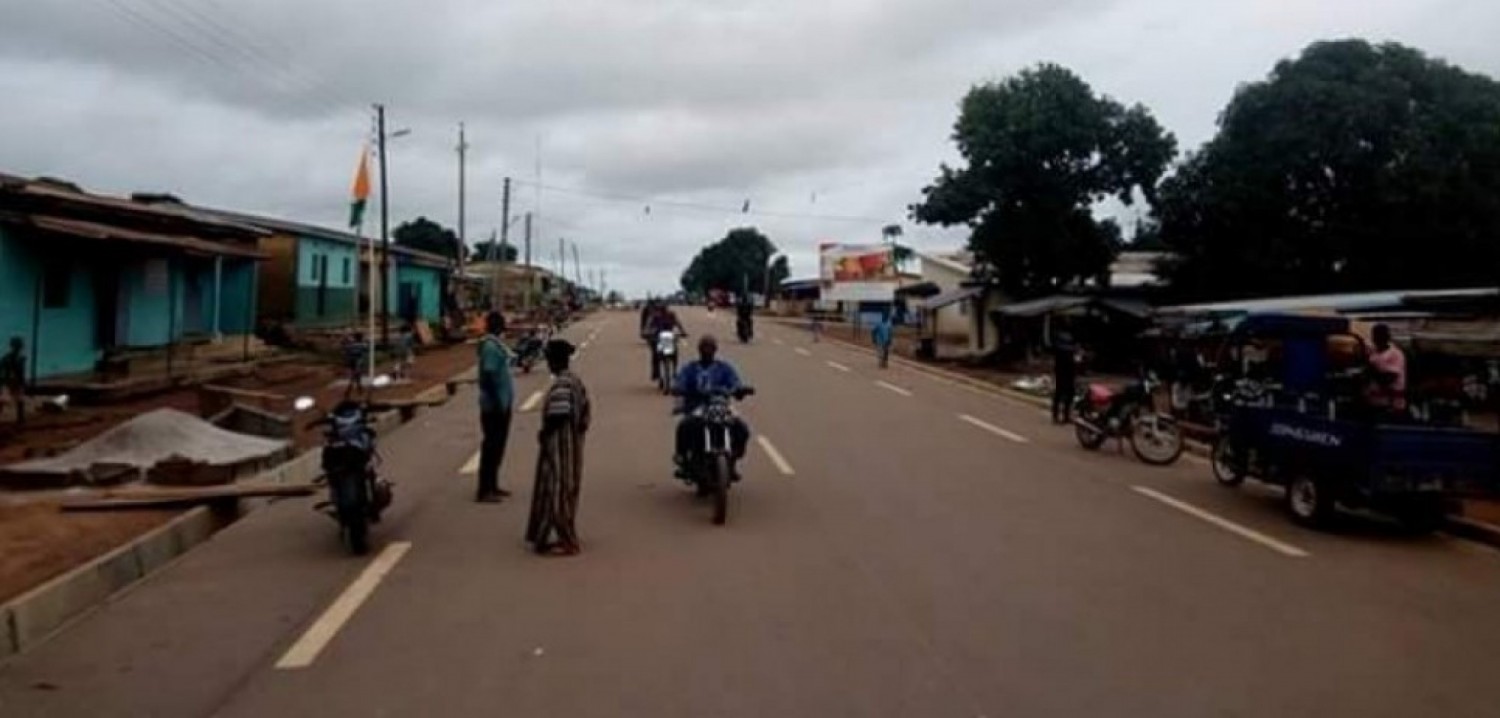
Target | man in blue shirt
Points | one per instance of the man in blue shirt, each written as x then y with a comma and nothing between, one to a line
882,336
695,383
496,395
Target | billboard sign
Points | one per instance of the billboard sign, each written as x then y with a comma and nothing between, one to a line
857,273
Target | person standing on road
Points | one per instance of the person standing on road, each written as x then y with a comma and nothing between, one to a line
496,396
1064,377
13,377
559,477
883,335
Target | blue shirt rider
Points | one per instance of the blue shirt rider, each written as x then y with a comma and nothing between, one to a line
695,383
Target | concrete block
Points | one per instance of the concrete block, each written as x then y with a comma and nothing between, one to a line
47,608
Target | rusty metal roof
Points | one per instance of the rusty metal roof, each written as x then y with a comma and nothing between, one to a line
84,229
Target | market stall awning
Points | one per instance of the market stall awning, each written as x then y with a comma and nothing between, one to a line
952,296
1045,305
920,291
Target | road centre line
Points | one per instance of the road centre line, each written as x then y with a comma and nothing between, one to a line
775,456
322,631
1013,436
838,366
532,401
893,388
779,342
1276,545
803,352
471,466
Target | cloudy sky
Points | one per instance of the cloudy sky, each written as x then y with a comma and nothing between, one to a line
829,116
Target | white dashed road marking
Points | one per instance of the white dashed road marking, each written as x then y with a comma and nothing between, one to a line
838,366
532,401
1276,545
803,352
997,431
775,456
893,388
471,466
321,632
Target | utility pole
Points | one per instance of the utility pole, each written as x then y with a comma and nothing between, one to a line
577,268
504,237
463,237
385,240
530,276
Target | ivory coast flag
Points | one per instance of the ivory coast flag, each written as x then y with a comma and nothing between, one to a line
360,194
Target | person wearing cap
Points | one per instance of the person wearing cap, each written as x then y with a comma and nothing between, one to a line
554,499
695,383
496,396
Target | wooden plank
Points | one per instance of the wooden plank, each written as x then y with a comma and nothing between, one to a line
151,498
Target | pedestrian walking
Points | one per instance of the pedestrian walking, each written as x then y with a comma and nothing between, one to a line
13,377
816,326
1064,377
496,396
566,414
883,335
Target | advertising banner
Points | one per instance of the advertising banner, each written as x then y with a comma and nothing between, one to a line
856,273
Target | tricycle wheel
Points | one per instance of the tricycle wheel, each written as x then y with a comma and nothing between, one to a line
1310,501
1155,439
1229,469
1421,515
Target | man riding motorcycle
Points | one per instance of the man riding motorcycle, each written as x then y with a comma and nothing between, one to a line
695,383
664,320
745,319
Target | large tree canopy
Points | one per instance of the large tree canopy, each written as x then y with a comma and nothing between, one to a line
737,262
492,249
1352,167
1041,150
428,236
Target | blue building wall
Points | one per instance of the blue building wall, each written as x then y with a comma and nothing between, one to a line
237,308
152,292
329,300
425,284
66,338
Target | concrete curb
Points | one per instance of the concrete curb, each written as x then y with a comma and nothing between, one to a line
33,617
1459,526
41,612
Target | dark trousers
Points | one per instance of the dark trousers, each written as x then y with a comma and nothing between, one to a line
1063,389
690,436
884,353
496,428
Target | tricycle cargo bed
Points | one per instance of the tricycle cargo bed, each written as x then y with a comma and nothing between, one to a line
1452,460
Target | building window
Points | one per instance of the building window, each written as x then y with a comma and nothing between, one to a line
57,278
347,269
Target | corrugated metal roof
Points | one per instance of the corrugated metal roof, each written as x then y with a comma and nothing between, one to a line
952,296
1343,303
96,231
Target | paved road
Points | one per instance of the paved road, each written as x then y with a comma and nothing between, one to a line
902,546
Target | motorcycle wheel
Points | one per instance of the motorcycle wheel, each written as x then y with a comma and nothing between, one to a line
1088,438
357,534
719,479
1311,502
1155,439
1228,469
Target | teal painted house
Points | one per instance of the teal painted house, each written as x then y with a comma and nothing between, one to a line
316,278
86,278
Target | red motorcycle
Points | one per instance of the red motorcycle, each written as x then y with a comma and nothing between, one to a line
1101,413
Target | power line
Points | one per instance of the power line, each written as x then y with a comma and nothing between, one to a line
746,209
202,44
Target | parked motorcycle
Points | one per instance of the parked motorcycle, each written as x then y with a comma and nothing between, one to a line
1101,413
356,494
710,465
666,360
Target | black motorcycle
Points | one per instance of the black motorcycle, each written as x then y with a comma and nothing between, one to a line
710,463
744,327
528,352
356,494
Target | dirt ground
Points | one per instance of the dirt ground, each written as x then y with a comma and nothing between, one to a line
38,542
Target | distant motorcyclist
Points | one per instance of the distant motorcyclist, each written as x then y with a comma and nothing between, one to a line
744,313
664,320
696,383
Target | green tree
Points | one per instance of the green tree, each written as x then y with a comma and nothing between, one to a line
428,236
492,249
1041,149
1352,167
736,263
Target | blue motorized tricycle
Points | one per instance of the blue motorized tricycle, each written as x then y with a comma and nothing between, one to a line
1296,417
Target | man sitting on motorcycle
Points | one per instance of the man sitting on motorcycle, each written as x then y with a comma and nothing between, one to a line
665,320
696,383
